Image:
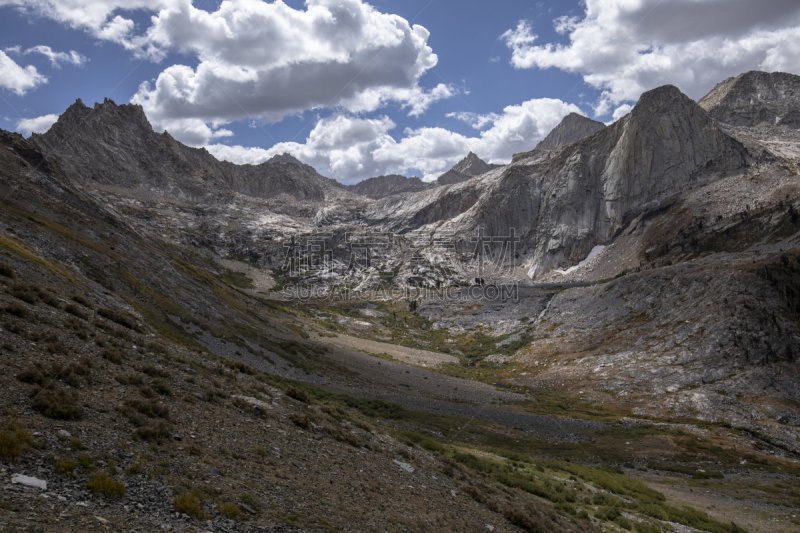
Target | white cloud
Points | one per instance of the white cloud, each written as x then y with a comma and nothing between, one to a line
96,17
352,148
621,111
475,120
259,60
625,47
16,78
26,126
265,61
56,58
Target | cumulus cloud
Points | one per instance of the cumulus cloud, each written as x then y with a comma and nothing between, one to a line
351,148
258,60
56,58
16,78
625,47
26,126
621,111
266,60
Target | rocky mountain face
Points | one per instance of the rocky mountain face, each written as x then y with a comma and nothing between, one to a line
383,186
755,98
572,128
467,168
115,145
564,203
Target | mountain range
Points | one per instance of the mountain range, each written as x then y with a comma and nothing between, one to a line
648,325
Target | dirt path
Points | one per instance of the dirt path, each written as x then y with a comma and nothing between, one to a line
410,356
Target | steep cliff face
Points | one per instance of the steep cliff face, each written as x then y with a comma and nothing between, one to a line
572,128
755,98
564,203
115,145
666,147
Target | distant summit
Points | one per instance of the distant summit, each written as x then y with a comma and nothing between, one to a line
285,157
467,168
382,186
755,98
115,145
572,128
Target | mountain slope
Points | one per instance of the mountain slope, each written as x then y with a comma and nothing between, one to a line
115,145
133,384
573,127
383,186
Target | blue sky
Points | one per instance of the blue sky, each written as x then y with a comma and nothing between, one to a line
360,89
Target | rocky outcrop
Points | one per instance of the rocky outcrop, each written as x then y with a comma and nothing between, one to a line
572,128
755,98
383,186
115,145
467,168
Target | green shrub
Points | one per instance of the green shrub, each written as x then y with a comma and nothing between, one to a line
152,431
298,394
57,403
83,301
228,510
189,503
154,372
120,318
623,522
114,355
11,445
27,292
16,309
77,311
161,387
65,467
102,484
32,376
300,420
130,379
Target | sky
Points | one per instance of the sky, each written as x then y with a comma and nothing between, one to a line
360,89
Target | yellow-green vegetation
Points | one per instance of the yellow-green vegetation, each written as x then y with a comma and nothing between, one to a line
13,440
237,279
415,331
560,471
85,461
228,510
563,484
65,467
57,403
188,502
102,484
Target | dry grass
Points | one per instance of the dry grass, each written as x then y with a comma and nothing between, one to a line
57,403
13,439
228,510
102,484
65,467
189,503
297,394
